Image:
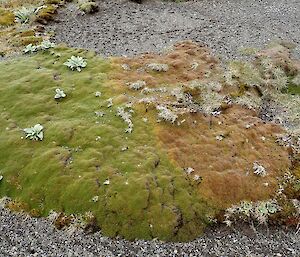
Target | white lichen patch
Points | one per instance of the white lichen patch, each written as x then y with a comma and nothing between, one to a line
189,170
160,67
220,137
126,116
125,66
99,114
166,114
251,211
137,85
109,102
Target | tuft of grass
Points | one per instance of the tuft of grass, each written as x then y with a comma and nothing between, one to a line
46,14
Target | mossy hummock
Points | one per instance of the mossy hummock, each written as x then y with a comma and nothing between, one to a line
164,180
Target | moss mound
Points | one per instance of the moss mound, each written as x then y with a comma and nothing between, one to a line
168,177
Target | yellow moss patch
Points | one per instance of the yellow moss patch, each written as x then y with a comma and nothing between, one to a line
7,18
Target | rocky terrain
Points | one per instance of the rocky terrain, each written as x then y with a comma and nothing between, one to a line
229,28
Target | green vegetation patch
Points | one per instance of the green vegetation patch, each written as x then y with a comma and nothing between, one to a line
7,18
85,161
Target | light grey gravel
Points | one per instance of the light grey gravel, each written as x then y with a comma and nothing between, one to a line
23,236
125,28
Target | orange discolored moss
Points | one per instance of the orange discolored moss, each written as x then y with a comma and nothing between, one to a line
222,151
187,61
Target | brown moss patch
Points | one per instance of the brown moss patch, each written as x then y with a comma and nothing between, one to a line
226,166
17,3
280,54
180,62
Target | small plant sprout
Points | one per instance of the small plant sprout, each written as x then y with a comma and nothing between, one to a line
59,94
95,198
35,132
109,102
46,44
197,178
76,63
97,94
24,14
194,66
189,170
29,49
106,182
259,170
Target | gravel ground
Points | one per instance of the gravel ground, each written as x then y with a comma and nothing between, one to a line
21,236
126,28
